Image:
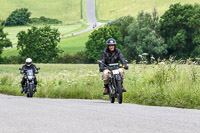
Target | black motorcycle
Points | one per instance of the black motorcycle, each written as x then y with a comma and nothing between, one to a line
29,84
115,82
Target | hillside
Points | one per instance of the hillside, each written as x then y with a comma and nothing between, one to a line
112,9
68,11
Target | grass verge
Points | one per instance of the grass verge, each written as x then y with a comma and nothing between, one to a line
69,45
158,85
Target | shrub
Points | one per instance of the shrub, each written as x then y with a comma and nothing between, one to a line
18,17
78,58
44,20
40,44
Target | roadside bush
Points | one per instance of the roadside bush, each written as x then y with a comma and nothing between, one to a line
44,20
12,60
78,58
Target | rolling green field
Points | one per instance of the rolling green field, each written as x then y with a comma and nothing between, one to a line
112,9
68,11
73,44
69,45
161,85
63,29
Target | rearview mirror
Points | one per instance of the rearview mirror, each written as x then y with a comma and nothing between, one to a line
20,68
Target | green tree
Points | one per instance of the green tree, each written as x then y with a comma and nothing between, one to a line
180,27
40,44
122,24
18,17
4,41
143,37
97,42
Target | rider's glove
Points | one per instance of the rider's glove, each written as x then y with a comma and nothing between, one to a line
22,72
126,67
101,70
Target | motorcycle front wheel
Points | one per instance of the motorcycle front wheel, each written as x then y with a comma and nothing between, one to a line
111,97
30,91
119,92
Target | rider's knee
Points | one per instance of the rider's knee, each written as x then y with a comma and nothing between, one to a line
105,74
121,73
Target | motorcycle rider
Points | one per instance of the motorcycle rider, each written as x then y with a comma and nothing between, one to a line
111,55
25,67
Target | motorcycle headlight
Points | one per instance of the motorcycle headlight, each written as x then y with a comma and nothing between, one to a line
30,77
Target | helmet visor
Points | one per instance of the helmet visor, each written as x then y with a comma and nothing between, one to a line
28,63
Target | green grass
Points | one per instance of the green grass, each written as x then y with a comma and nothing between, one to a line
112,9
84,11
68,11
69,45
63,29
161,85
10,52
73,44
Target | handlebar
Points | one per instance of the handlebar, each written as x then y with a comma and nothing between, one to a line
22,72
111,68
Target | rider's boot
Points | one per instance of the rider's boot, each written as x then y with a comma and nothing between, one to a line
23,89
123,89
35,89
105,90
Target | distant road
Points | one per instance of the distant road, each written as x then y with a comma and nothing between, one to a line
91,18
38,115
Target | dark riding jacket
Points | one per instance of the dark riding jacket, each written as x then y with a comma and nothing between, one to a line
108,57
32,66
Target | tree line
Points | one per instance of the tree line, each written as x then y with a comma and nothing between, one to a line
176,33
22,16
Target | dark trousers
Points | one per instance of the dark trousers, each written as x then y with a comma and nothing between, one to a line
24,80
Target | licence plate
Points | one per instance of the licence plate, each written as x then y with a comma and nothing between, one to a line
115,72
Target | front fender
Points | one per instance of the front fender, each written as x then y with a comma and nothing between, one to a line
118,77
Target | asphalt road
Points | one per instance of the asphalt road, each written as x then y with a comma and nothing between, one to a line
37,115
91,18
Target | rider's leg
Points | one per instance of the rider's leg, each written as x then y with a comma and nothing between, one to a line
122,74
23,84
105,79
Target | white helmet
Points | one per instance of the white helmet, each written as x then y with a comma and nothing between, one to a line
28,61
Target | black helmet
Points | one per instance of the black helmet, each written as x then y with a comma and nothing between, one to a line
111,41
